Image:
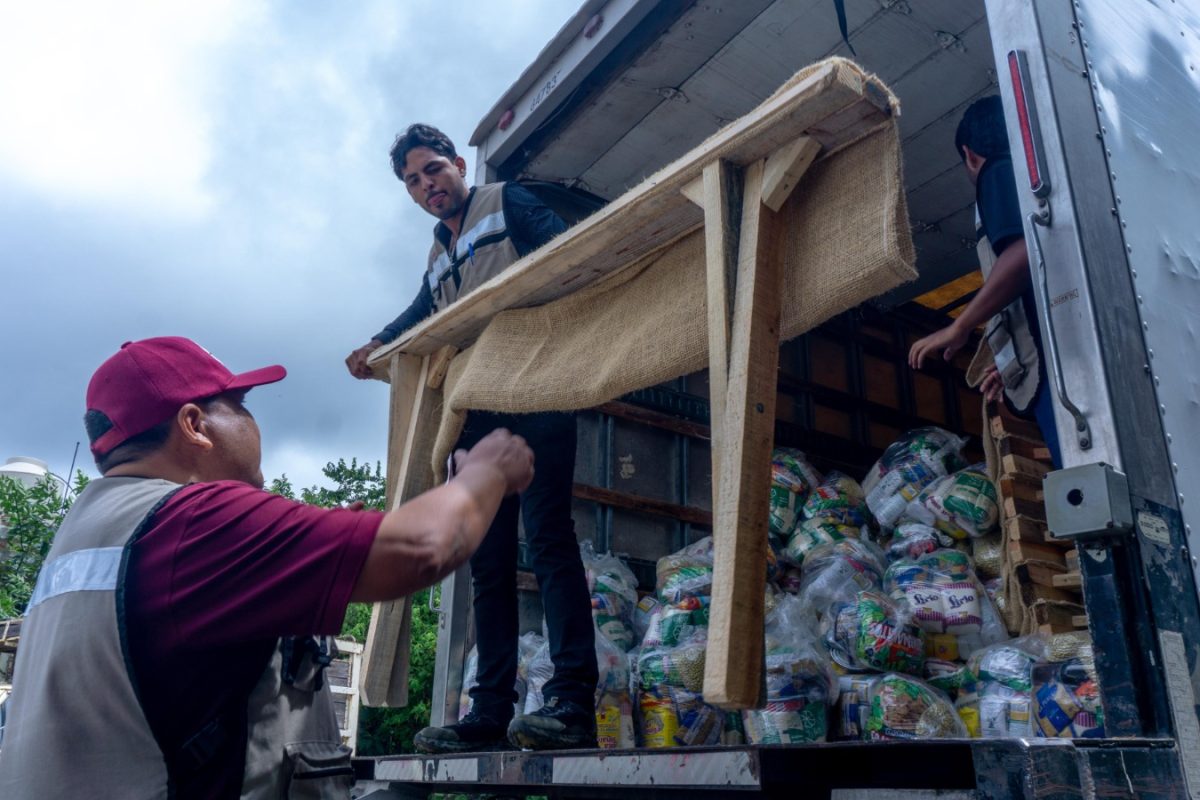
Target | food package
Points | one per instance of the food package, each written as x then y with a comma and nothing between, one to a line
914,539
611,665
540,669
1066,695
671,624
904,707
852,707
613,589
682,665
528,646
800,683
962,505
834,574
790,579
946,598
988,554
614,721
911,463
838,499
995,698
686,573
792,478
642,614
811,534
671,716
874,632
468,683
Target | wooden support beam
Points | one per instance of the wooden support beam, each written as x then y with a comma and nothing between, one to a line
694,190
644,505
722,225
734,670
440,365
384,677
785,167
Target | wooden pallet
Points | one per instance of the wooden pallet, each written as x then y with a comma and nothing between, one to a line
1045,569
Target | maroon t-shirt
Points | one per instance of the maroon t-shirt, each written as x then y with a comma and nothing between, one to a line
222,572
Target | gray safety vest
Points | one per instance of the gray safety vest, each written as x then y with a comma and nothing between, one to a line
1009,337
76,726
482,251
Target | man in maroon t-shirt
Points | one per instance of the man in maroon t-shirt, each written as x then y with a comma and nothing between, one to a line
218,590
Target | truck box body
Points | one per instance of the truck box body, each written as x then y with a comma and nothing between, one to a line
1102,99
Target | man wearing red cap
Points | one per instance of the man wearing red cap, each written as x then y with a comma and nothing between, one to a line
170,646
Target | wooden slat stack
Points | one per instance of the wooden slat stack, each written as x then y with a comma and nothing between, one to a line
1044,580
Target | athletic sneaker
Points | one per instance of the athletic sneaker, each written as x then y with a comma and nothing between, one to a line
476,733
558,725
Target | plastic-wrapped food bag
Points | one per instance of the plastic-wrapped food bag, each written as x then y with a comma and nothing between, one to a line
838,499
614,594
942,590
914,539
834,511
873,632
1066,694
988,554
903,707
961,505
836,573
682,665
910,464
800,684
671,625
853,706
540,670
792,478
674,717
995,696
468,683
686,573
614,705
643,612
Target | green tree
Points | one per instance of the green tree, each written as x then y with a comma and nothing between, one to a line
29,518
381,731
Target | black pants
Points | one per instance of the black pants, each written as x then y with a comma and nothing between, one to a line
550,536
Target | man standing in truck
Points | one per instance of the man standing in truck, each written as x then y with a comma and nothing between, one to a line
1005,302
175,642
481,231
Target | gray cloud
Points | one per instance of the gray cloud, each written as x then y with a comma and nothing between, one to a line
293,245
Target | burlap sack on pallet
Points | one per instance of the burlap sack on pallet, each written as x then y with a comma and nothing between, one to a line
847,240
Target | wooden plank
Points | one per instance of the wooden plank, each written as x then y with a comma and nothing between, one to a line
1068,580
734,670
656,213
440,365
722,222
1008,425
1015,445
1024,488
1021,551
1017,506
645,505
1043,572
1025,529
384,677
1019,465
1080,620
1055,617
1072,560
694,190
785,167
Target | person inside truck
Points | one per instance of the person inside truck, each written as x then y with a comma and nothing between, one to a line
170,646
1005,301
481,230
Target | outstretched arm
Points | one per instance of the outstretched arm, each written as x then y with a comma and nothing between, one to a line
1009,278
433,534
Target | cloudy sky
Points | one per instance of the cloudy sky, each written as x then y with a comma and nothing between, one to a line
218,170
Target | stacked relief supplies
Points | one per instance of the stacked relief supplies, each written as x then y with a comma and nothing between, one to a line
877,625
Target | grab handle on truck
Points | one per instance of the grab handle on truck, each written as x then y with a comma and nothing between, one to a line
1083,431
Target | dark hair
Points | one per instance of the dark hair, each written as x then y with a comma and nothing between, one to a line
420,135
982,129
144,444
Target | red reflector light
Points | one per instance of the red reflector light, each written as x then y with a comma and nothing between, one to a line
1027,120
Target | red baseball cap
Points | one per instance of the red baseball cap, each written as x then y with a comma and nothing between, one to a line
147,381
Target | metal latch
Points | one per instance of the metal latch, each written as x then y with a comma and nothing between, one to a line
1088,502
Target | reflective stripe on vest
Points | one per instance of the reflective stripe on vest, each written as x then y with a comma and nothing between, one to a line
89,570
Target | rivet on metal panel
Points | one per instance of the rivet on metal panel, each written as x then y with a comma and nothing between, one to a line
1140,301
1133,272
1128,248
1145,326
1168,438
1174,466
1113,210
1151,352
1146,368
1162,409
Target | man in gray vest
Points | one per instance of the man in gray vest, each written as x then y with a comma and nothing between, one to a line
1005,302
171,646
481,231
